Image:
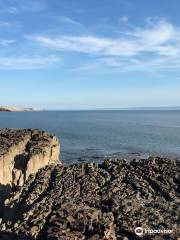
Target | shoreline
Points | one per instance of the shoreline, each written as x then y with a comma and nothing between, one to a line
106,201
99,158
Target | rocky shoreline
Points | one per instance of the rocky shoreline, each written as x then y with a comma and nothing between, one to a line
16,109
105,201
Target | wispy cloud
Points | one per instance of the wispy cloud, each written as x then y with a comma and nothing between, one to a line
147,65
32,5
10,26
161,39
10,10
156,46
68,20
158,42
23,62
4,24
18,6
6,42
123,19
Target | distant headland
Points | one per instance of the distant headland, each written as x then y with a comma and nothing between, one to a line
16,109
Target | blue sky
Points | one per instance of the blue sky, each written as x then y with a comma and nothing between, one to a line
77,54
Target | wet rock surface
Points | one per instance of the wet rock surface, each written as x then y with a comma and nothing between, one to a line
104,201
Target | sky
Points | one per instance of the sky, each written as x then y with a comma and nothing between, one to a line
89,54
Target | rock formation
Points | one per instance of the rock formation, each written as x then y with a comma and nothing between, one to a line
3,109
24,152
95,202
16,109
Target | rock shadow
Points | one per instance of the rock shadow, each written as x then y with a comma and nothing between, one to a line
5,191
13,236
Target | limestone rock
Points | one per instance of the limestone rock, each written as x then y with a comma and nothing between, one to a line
24,152
89,201
96,202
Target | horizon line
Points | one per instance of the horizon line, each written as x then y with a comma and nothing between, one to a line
122,108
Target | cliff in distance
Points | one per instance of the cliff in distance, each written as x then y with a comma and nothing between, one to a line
15,109
92,202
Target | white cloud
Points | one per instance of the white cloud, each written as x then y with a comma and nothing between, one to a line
152,47
10,25
10,10
6,42
156,46
18,6
150,65
23,62
32,5
160,64
89,45
160,39
4,24
68,20
124,19
159,33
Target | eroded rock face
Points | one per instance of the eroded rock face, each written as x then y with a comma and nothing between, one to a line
90,201
24,152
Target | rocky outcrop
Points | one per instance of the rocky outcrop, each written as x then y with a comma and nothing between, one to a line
96,202
24,152
2,109
16,109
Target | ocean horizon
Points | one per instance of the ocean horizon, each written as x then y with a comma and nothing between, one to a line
91,135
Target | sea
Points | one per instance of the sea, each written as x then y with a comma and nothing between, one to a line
95,135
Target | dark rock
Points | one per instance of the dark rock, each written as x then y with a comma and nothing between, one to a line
89,201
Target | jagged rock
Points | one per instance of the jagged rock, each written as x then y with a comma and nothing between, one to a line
90,201
95,202
24,152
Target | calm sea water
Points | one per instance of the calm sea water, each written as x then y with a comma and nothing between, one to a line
88,135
